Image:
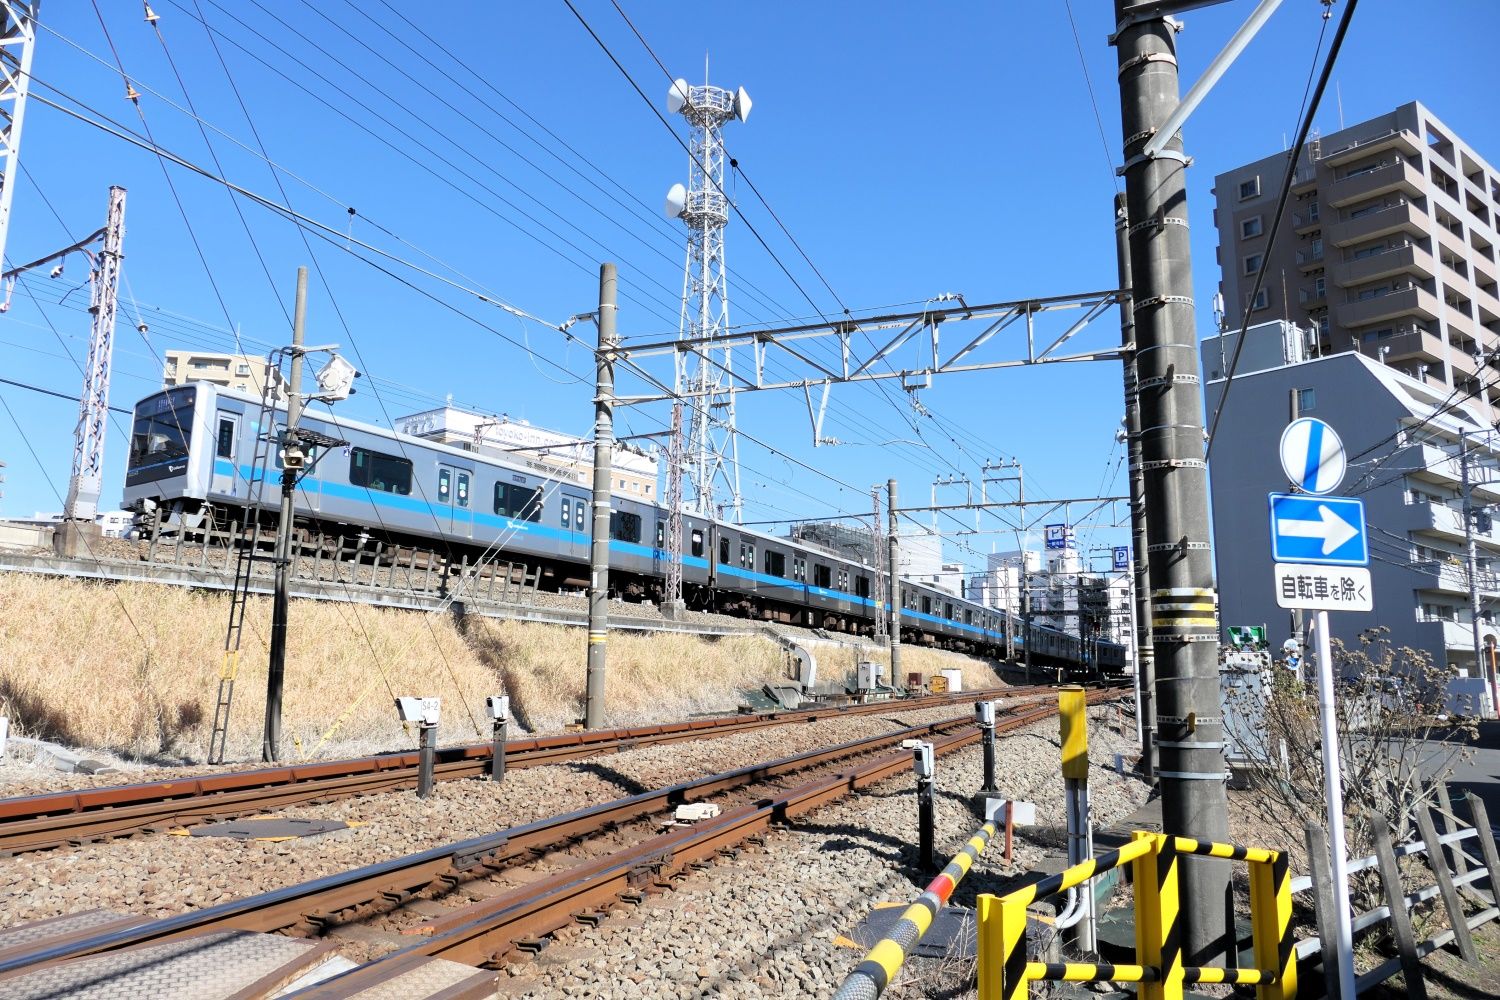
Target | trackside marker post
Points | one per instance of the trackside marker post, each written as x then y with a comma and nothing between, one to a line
425,712
497,707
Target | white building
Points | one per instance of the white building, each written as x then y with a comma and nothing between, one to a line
549,452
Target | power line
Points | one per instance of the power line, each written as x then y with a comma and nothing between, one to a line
1286,188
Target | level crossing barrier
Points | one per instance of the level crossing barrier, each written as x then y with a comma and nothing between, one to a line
870,977
1005,970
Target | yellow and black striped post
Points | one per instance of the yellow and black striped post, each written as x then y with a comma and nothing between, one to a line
1271,926
1158,929
1002,947
1072,712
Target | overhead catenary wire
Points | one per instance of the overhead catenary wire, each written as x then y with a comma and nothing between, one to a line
1288,175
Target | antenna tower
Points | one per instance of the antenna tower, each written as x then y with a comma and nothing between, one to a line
710,451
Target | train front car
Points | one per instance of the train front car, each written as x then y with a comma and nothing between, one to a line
165,472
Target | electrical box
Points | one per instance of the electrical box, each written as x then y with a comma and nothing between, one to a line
870,675
938,684
955,679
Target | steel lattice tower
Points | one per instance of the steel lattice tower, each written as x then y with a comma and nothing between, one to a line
87,480
710,451
17,43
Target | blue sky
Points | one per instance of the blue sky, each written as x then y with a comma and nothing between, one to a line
911,149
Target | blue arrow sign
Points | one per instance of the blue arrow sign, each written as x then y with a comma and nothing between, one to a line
1328,531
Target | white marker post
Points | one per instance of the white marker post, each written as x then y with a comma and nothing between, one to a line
1333,790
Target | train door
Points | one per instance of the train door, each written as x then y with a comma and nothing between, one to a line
226,469
454,501
572,516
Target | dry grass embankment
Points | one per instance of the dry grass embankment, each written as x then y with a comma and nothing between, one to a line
134,668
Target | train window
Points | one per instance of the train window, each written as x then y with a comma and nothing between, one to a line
822,576
163,425
463,489
624,526
724,551
799,568
697,542
747,556
445,486
224,444
661,534
948,610
566,514
862,586
969,616
775,563
843,579
578,515
375,471
926,605
521,502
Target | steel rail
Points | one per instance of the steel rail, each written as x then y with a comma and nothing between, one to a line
56,819
347,896
486,931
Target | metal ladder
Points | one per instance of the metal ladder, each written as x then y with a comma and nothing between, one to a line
244,568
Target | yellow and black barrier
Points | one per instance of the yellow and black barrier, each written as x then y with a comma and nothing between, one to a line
1005,970
870,978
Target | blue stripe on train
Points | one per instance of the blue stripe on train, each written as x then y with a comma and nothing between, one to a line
396,501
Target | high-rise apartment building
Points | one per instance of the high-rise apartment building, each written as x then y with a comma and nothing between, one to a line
1388,248
241,372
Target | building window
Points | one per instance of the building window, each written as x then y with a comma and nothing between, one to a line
1369,251
1307,400
1250,188
1251,227
1320,288
1252,263
242,370
1262,300
1312,210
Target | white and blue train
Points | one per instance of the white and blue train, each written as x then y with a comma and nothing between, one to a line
190,464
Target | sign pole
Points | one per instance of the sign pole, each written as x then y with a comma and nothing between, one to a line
1334,793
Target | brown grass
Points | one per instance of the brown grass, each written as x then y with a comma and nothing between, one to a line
134,668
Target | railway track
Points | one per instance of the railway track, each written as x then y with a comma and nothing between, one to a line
485,932
62,819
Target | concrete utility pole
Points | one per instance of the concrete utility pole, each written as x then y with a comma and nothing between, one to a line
1467,481
604,445
880,580
291,466
1175,488
87,480
1145,654
895,588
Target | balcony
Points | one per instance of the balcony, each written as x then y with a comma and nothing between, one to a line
1306,222
1456,636
1310,259
1401,217
1313,298
1403,142
1391,177
1405,259
1411,301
